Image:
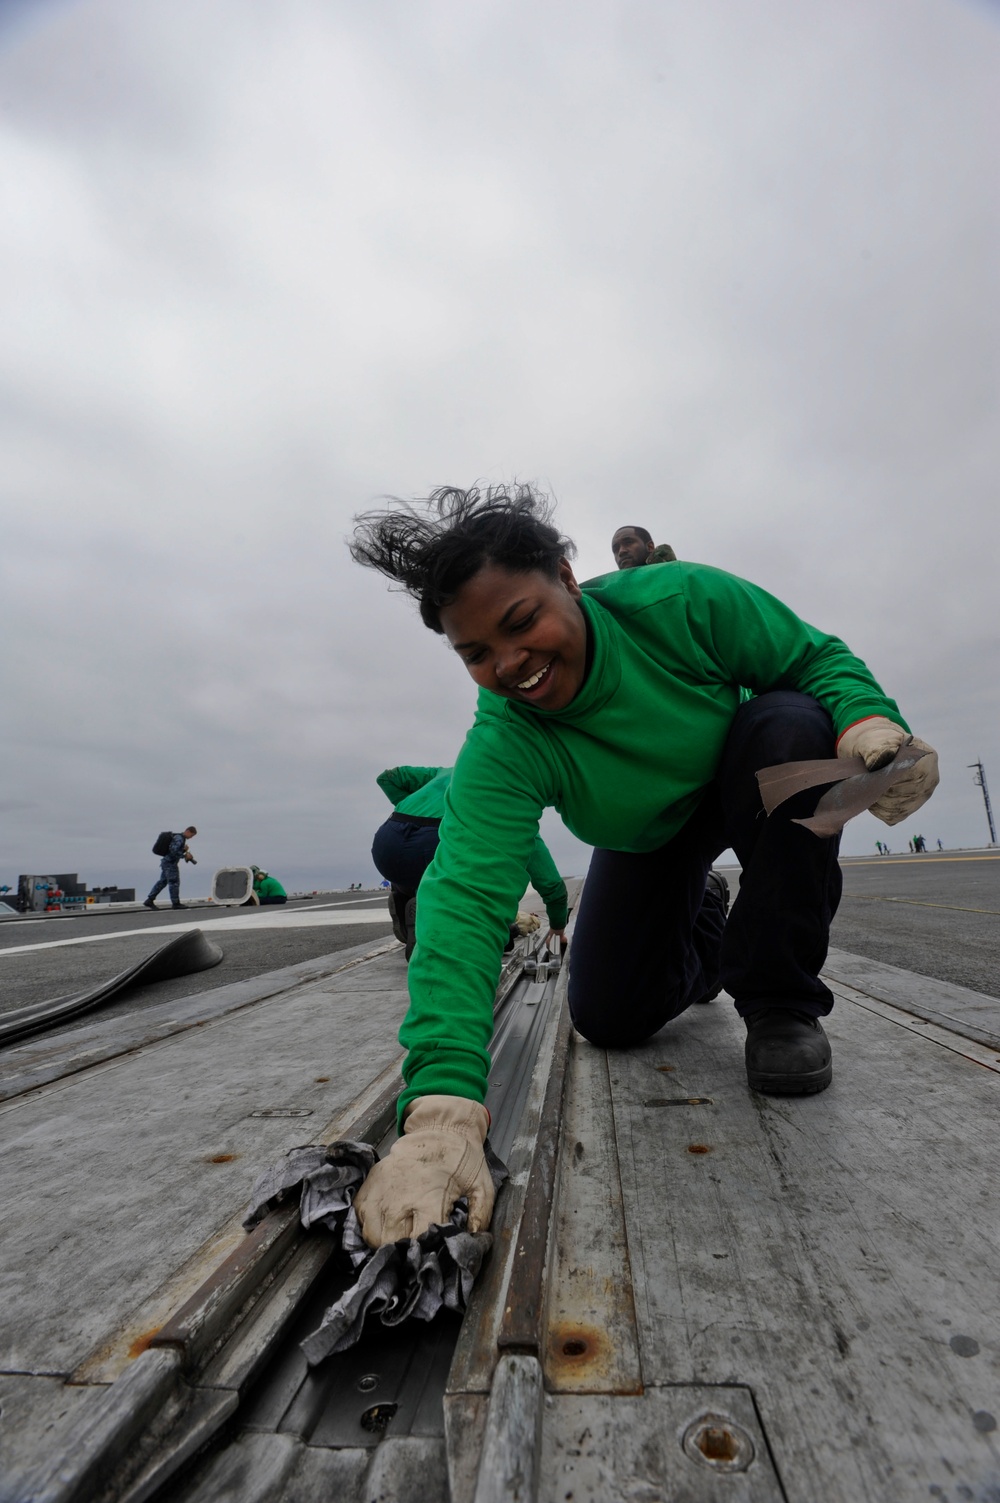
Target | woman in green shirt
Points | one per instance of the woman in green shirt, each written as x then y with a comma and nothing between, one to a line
622,703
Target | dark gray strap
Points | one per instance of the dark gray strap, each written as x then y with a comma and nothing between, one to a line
854,791
182,956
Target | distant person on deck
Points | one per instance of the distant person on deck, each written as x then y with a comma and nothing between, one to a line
170,872
267,889
633,546
404,847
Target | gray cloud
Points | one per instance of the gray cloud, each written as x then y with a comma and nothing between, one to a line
728,271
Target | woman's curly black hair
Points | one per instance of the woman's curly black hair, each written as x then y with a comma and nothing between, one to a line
434,547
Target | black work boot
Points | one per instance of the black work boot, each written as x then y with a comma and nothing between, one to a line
410,920
787,1053
148,903
397,911
717,883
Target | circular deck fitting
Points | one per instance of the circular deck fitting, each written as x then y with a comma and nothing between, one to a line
377,1418
716,1441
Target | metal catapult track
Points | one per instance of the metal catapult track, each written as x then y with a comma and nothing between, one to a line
228,1359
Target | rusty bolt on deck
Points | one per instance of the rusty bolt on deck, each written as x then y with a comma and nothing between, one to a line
715,1441
577,1352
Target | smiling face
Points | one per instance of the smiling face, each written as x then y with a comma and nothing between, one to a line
522,636
629,549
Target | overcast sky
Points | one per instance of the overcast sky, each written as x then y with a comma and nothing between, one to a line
726,269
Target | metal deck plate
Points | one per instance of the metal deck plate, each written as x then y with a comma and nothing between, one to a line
699,1444
125,1171
836,1256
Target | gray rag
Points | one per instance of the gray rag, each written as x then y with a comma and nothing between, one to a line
417,1276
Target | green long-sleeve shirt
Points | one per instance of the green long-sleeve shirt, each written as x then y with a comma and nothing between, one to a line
421,791
625,763
416,790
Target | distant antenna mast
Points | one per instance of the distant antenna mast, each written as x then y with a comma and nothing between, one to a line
980,782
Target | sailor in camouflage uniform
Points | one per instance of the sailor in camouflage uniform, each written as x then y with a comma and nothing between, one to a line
170,874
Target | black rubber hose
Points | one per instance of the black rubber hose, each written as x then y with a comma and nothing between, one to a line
182,956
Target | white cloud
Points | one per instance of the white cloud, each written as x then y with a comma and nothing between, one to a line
728,271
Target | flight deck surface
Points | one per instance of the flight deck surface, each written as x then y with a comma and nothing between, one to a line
696,1291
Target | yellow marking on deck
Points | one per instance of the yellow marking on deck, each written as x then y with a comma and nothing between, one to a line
870,897
913,860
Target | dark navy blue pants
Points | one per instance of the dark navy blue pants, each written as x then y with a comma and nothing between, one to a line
170,877
402,852
650,939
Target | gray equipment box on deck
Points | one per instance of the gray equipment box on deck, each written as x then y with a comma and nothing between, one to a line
232,886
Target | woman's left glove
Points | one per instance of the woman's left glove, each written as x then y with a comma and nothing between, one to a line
877,740
438,1159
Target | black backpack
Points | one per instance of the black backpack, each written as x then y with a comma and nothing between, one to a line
161,845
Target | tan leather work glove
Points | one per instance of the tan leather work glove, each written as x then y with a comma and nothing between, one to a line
438,1159
877,741
527,923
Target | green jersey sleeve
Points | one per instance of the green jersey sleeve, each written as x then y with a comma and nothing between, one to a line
545,879
468,898
398,782
751,638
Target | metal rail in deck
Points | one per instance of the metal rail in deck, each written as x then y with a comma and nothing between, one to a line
229,1356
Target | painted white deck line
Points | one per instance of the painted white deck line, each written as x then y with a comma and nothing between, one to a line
260,918
101,910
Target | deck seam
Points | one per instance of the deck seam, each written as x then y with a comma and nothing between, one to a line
948,1038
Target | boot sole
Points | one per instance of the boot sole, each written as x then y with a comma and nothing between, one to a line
791,1085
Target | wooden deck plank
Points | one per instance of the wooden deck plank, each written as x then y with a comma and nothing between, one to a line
125,1171
671,1445
591,1342
32,1410
970,1013
838,1254
53,1056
